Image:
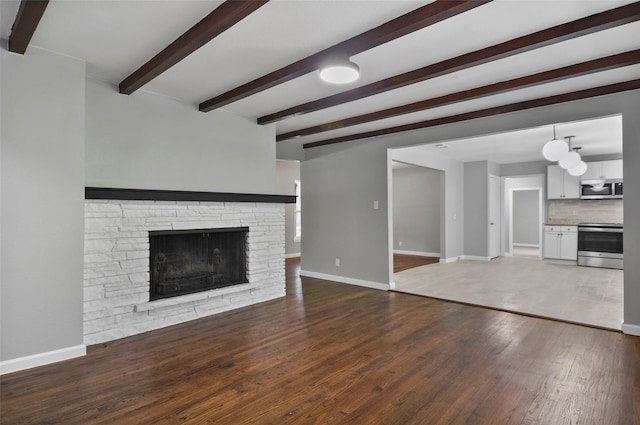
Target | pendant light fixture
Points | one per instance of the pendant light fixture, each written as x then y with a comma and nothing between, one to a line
555,149
339,70
579,169
571,161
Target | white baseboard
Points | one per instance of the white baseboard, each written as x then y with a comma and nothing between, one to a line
450,259
475,258
41,359
349,280
631,329
464,257
294,255
527,245
416,253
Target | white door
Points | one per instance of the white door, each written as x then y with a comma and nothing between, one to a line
494,217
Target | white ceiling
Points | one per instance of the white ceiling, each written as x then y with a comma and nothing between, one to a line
116,37
595,137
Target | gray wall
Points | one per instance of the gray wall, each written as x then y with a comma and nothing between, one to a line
147,141
451,201
52,115
536,181
526,217
339,221
476,208
349,176
286,173
42,178
416,209
524,168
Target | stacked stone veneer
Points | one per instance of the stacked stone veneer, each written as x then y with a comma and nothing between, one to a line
116,263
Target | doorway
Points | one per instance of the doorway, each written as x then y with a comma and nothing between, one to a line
416,205
526,223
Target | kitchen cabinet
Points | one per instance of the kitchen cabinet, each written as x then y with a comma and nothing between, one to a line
562,185
561,242
607,170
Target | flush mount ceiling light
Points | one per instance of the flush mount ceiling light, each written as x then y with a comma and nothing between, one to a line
339,70
555,149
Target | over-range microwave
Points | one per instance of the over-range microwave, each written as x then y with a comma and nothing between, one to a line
601,189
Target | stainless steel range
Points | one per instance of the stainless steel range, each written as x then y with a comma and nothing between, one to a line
600,245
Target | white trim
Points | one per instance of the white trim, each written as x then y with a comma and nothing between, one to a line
475,258
631,329
527,245
294,255
41,359
450,260
349,280
416,253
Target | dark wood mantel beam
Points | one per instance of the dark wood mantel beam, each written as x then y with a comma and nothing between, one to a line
27,20
580,27
558,74
403,25
498,110
221,19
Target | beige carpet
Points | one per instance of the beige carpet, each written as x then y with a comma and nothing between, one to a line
587,295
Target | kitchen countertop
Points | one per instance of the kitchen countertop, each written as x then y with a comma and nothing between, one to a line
562,223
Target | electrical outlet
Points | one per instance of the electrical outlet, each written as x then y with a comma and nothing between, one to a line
400,243
376,205
337,262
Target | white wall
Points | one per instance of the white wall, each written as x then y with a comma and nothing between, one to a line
286,173
147,141
43,99
416,210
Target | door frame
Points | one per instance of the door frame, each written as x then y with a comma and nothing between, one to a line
540,216
498,221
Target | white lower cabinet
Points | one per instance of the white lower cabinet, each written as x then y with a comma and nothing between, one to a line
561,242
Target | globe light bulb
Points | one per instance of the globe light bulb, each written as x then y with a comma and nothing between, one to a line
569,160
579,169
555,149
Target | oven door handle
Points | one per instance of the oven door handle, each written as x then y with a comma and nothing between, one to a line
599,229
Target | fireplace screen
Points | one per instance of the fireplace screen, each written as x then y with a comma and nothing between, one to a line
182,262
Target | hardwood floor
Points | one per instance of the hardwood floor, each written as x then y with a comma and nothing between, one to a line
404,262
331,353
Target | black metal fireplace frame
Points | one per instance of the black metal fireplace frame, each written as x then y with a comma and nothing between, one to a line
154,293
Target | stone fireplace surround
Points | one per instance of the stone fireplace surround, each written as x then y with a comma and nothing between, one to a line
116,256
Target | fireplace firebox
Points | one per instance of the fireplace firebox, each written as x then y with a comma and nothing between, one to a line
187,261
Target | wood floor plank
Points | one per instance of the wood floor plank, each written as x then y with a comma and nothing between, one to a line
331,353
404,262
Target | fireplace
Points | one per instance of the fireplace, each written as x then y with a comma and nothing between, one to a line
187,261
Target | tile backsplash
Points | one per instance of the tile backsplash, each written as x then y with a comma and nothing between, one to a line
574,211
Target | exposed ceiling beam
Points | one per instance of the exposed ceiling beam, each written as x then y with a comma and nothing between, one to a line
27,19
580,27
498,110
403,25
584,68
221,19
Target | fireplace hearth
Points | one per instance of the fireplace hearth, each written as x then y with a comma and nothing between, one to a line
188,261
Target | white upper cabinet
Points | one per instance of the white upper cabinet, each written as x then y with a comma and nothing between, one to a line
561,185
599,170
